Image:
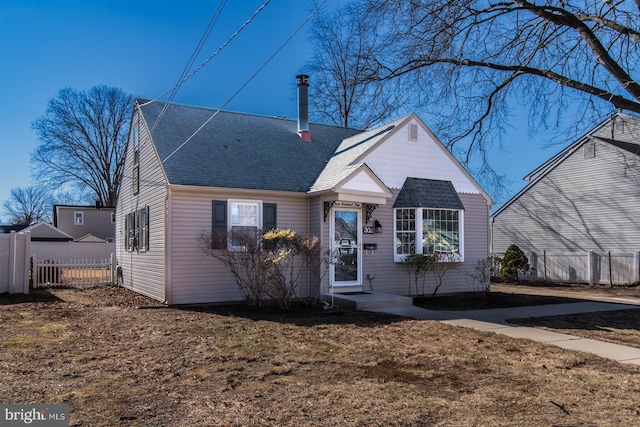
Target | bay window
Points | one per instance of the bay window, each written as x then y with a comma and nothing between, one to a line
428,231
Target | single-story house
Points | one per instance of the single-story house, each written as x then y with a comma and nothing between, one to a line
372,197
585,198
45,232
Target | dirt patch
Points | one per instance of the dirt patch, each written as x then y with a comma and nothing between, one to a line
119,365
505,295
495,299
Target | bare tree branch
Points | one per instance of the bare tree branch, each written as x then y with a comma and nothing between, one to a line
83,137
28,205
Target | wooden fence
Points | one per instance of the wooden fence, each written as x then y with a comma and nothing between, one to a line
75,272
587,267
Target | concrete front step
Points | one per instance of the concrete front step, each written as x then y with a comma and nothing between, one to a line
367,301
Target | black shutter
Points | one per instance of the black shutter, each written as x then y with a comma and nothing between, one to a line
219,225
270,219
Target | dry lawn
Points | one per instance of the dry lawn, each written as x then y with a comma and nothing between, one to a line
119,365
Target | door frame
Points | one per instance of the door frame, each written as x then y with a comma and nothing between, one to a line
334,247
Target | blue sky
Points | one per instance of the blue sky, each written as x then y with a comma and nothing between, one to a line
142,48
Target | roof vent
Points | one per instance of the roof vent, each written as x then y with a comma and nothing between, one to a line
303,107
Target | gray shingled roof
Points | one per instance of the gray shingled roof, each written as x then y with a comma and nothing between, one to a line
428,193
236,150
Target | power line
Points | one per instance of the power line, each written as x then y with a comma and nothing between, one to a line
206,61
207,31
245,83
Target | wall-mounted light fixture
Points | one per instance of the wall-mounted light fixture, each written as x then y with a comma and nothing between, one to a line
378,226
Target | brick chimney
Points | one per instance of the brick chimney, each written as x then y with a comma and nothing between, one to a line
303,107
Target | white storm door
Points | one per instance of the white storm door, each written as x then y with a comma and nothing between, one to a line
346,230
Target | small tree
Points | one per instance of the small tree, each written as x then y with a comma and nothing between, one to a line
440,263
514,260
416,266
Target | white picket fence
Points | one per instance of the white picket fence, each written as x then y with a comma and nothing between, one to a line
14,263
74,272
587,267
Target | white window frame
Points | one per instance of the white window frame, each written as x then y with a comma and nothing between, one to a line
456,257
230,219
78,215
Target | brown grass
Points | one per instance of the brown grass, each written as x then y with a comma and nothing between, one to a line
116,364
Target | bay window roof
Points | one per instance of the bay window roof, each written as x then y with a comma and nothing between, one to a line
428,193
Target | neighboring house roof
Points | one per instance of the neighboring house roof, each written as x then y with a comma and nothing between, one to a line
90,238
621,130
256,152
13,227
43,231
428,193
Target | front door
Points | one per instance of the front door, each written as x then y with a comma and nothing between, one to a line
346,247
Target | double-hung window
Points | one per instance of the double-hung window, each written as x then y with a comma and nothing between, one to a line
244,222
236,224
78,218
428,231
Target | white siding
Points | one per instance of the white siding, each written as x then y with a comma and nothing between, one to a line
398,158
143,272
197,277
583,204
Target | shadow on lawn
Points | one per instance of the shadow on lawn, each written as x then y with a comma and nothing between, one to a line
617,321
300,314
35,295
479,301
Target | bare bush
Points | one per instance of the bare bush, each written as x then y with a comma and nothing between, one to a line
440,264
482,272
270,265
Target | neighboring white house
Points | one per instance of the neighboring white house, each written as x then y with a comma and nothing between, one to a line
587,197
371,196
576,217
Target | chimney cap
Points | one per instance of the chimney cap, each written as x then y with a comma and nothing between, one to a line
303,79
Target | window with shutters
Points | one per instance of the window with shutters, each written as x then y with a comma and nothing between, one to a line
244,223
136,230
236,223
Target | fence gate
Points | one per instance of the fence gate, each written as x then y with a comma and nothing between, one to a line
75,272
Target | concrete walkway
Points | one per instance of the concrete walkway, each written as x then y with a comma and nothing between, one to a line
495,321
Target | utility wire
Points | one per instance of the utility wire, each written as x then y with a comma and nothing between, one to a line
206,61
245,83
174,90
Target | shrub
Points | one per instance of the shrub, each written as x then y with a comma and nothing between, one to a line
514,260
416,266
483,270
271,266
